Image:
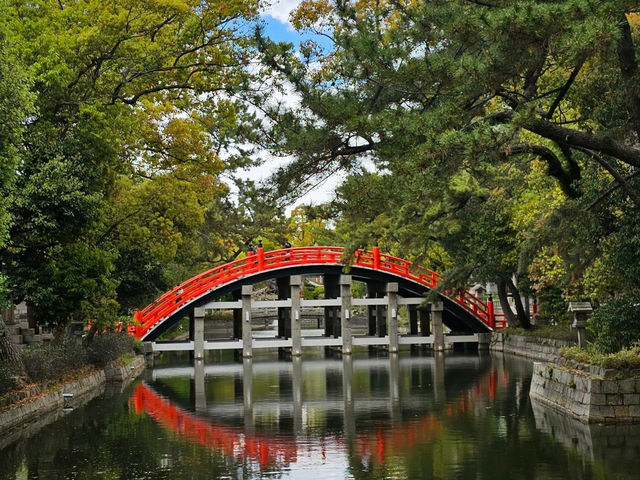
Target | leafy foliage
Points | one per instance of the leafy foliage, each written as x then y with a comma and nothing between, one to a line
494,129
627,359
9,374
53,362
616,324
118,123
107,347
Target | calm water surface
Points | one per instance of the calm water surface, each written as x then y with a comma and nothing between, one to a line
444,417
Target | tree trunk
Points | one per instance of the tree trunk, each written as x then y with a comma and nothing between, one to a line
8,351
512,321
523,315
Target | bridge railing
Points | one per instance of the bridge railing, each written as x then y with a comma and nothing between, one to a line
195,287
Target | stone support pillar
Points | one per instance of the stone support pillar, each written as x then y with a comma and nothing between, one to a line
247,341
375,313
345,314
424,322
413,319
392,316
484,339
295,315
198,333
331,316
284,313
438,329
237,317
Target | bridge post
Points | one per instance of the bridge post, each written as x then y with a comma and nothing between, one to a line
371,310
423,317
331,319
295,282
198,333
392,315
237,317
375,313
345,313
284,313
247,341
438,330
413,319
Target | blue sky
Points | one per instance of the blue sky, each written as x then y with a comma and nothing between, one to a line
278,31
278,28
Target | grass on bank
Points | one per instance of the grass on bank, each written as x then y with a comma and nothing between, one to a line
626,360
554,332
54,363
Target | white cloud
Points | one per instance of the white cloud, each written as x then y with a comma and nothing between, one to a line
280,9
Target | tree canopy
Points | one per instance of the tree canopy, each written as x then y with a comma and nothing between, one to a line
120,125
491,140
504,134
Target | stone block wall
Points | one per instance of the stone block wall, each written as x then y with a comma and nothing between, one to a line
545,349
127,372
589,394
69,394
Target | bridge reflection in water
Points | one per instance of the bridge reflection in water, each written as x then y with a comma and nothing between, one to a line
359,409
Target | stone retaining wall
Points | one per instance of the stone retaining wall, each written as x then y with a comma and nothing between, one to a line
128,372
81,390
545,349
586,394
70,394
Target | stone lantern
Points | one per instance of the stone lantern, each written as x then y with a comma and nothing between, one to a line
581,311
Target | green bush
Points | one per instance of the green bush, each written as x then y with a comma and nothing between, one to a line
107,347
53,362
626,359
616,325
8,377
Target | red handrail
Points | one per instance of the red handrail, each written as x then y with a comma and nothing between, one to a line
199,285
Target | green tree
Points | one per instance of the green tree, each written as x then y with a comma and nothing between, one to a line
456,103
134,111
15,107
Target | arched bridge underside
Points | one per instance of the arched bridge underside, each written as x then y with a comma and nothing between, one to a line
462,312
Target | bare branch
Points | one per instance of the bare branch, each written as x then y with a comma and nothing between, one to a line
564,90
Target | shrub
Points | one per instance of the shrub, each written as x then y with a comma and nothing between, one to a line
53,362
107,347
8,377
43,363
616,325
626,359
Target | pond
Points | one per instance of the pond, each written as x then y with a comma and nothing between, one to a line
452,416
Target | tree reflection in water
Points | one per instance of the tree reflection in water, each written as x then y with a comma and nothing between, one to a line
391,417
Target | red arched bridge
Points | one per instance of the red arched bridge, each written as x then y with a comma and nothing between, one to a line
461,311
